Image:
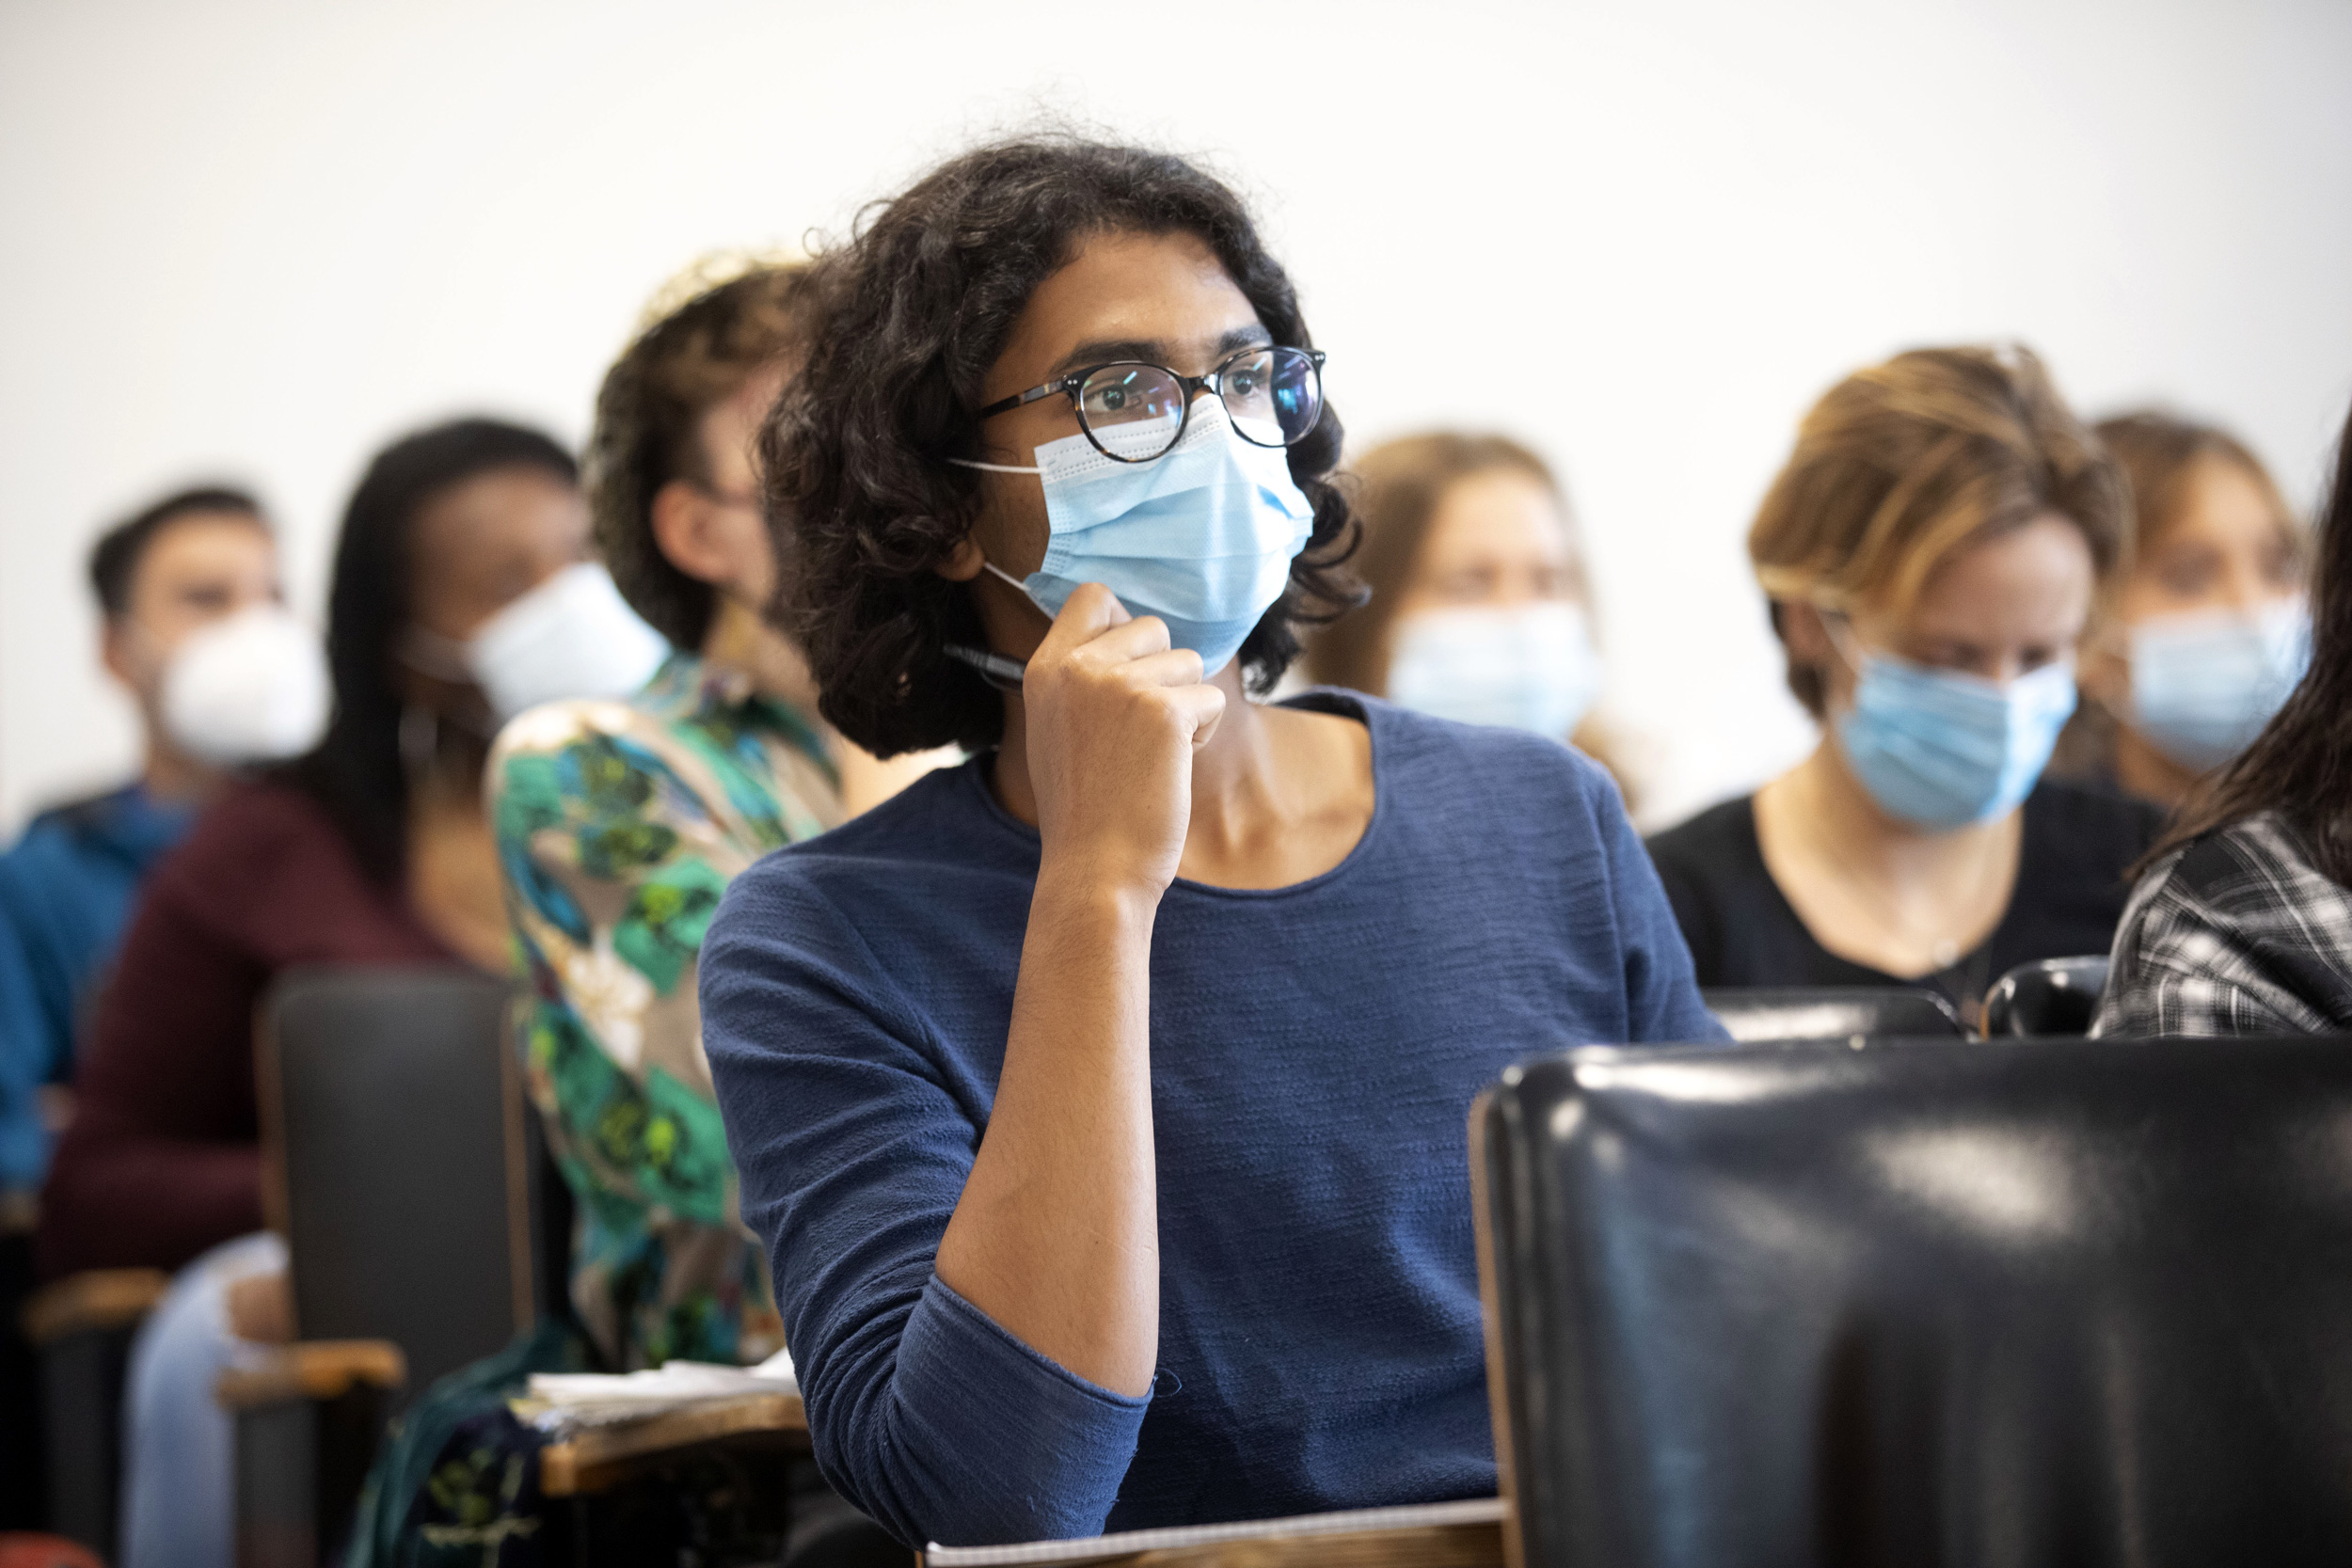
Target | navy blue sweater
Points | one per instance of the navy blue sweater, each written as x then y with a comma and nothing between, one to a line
1315,1052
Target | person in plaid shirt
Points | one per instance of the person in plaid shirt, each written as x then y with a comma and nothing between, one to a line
2243,924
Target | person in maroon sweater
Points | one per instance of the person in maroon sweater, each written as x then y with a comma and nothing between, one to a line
373,849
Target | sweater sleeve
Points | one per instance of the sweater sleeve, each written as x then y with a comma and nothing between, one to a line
854,1148
1661,996
161,1161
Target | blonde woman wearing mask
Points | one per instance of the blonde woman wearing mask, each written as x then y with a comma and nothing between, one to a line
1932,552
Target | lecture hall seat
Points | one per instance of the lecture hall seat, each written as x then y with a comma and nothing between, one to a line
2074,1302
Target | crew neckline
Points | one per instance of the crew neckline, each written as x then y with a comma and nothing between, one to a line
1331,700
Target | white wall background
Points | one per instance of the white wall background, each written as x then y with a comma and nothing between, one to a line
256,239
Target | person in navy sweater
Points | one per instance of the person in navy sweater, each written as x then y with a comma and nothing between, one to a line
1102,1103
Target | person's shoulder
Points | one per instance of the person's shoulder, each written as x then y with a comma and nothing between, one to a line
1704,838
256,824
2094,821
943,818
1420,752
2255,867
81,816
543,732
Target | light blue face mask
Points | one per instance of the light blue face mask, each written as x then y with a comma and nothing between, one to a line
1531,667
1202,538
1940,749
2204,685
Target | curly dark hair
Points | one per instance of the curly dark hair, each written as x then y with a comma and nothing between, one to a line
648,431
909,316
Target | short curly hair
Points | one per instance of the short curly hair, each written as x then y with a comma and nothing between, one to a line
648,429
909,316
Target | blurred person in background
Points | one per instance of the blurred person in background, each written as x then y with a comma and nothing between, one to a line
192,611
2198,644
2243,925
459,594
618,826
1482,604
1932,552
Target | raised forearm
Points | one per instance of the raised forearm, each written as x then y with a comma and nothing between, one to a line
1056,1236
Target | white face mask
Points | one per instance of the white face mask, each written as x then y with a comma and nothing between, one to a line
572,636
1531,667
251,686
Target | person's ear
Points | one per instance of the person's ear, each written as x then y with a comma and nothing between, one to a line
683,531
1805,634
1803,631
114,649
2102,667
963,562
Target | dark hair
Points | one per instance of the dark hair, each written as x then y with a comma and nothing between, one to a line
1902,465
909,316
356,769
2300,766
114,560
648,431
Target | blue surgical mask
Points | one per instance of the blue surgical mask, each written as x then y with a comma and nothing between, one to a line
2203,685
1940,749
1202,538
1532,667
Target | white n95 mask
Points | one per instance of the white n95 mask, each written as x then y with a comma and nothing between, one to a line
1530,667
1202,538
572,636
251,686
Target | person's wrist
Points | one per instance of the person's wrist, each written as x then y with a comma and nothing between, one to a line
1100,885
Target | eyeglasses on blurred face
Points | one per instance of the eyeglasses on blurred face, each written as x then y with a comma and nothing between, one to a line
1132,411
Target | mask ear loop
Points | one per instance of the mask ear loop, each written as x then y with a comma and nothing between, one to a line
993,467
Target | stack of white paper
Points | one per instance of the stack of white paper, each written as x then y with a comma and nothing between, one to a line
591,1397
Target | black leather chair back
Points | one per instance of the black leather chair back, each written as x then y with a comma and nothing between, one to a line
2050,996
2074,1302
1765,1013
395,1125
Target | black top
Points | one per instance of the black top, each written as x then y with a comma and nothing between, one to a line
2072,881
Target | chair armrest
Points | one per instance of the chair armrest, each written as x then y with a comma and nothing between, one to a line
312,1369
98,1301
595,1458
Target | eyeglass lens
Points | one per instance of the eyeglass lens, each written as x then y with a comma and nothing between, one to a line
1135,411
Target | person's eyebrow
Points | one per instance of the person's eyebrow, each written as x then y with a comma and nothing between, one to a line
1105,351
1151,350
1254,336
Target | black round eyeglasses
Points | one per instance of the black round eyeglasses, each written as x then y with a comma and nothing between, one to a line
1134,411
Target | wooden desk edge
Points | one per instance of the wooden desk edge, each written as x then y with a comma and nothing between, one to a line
1471,1545
95,1299
312,1369
595,1458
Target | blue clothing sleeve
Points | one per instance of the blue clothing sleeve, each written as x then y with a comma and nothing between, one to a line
855,1145
1661,994
26,1051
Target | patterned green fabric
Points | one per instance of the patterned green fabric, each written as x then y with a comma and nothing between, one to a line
618,828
